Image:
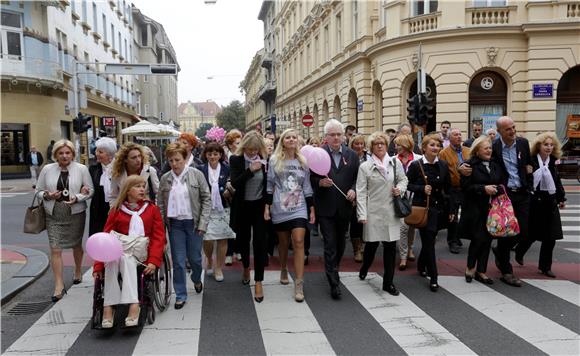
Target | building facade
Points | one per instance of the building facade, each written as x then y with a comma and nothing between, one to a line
191,115
267,89
252,85
357,61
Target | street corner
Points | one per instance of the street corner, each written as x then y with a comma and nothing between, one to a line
20,267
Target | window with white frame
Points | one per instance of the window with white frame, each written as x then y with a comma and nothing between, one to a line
11,39
326,44
383,13
421,7
84,12
354,20
338,33
489,3
146,110
316,52
61,40
104,27
95,18
308,58
113,36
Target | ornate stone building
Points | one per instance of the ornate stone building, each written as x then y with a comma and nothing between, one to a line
357,61
252,84
191,115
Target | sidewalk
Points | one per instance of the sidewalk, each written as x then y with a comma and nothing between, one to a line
20,267
16,185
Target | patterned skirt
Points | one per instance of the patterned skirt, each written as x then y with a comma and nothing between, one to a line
218,227
65,230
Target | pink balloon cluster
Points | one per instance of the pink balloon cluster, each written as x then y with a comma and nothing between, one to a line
215,133
317,159
104,247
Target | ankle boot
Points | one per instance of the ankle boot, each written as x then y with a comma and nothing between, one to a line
357,249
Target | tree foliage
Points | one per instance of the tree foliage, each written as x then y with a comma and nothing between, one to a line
232,116
202,128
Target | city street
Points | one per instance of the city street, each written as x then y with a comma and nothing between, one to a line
542,317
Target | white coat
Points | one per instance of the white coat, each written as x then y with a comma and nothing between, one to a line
375,200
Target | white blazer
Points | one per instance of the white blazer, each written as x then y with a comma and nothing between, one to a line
79,176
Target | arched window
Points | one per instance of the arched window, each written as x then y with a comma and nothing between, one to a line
336,108
378,105
352,115
568,100
487,99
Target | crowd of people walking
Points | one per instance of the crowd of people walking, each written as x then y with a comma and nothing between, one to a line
257,190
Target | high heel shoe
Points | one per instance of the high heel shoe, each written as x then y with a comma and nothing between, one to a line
258,298
362,274
56,298
284,277
468,277
130,322
246,277
108,323
485,280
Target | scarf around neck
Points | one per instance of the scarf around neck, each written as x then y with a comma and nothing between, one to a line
543,177
254,159
214,178
177,202
136,227
105,180
381,164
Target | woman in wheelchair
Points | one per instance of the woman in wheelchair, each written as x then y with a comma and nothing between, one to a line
131,218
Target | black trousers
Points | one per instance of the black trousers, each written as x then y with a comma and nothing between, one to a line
333,232
389,253
478,253
521,204
253,228
546,252
427,260
453,226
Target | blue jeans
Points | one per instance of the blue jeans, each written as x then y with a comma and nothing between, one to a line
185,243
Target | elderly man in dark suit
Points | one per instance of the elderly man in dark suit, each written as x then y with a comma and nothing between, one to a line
513,155
334,197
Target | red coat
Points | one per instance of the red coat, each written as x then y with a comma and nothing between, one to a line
154,229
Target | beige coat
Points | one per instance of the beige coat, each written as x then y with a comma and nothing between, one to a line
375,201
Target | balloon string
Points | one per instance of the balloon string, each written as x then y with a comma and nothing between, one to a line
341,192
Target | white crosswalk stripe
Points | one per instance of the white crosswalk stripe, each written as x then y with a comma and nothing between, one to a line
571,238
536,329
12,195
568,211
575,250
287,327
570,227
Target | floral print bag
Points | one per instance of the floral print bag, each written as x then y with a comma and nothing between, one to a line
501,219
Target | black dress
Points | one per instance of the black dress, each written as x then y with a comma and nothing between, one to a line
99,208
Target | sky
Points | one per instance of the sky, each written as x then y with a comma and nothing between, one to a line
216,41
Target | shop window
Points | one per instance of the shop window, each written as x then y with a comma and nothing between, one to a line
14,144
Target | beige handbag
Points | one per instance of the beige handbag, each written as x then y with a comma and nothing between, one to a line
34,218
419,214
137,246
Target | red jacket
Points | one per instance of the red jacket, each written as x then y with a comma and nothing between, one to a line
154,229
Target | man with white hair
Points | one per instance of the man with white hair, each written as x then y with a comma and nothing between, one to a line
100,172
34,160
334,194
404,129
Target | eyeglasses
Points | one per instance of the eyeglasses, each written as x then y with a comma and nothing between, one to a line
337,134
379,144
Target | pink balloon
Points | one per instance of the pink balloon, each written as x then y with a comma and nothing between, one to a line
319,161
305,151
104,247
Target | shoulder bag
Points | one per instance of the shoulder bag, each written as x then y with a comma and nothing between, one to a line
34,218
136,246
501,219
419,214
401,203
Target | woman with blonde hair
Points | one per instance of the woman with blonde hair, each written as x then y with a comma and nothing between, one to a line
358,144
289,204
404,146
65,202
134,216
248,177
549,196
131,159
231,142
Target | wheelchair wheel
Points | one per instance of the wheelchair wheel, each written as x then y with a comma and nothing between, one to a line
162,284
151,315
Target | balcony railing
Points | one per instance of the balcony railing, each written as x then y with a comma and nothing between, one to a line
422,23
491,15
31,68
573,10
267,89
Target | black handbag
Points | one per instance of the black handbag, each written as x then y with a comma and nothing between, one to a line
401,203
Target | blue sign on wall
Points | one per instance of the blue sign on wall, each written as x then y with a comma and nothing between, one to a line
543,90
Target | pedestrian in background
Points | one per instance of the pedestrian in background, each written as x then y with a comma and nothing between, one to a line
190,142
349,131
289,205
334,195
547,198
60,186
34,160
478,188
231,141
131,159
404,145
49,152
134,216
216,174
429,176
101,175
476,131
185,204
444,133
248,176
454,154
404,129
379,180
358,145
491,133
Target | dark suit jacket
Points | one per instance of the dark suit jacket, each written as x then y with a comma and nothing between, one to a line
38,156
223,179
523,152
329,202
99,208
239,176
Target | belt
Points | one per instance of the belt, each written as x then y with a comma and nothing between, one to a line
517,190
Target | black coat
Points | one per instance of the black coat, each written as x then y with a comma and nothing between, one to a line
38,157
545,222
239,176
440,202
475,208
523,152
99,208
223,179
329,202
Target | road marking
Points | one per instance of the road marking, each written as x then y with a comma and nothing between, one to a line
179,329
12,195
57,330
575,250
570,227
536,329
414,330
571,206
570,218
288,327
569,291
571,238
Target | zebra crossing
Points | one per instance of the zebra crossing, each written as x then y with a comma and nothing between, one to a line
4,195
541,317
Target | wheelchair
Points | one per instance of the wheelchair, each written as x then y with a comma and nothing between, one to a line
154,292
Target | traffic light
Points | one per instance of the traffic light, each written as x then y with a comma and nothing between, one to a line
413,109
81,123
425,112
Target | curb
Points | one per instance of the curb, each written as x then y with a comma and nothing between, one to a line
36,265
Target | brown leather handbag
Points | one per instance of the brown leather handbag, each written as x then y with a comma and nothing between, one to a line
419,214
34,218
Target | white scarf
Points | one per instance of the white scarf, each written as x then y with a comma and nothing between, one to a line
543,177
381,164
105,181
189,161
136,227
178,200
214,178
